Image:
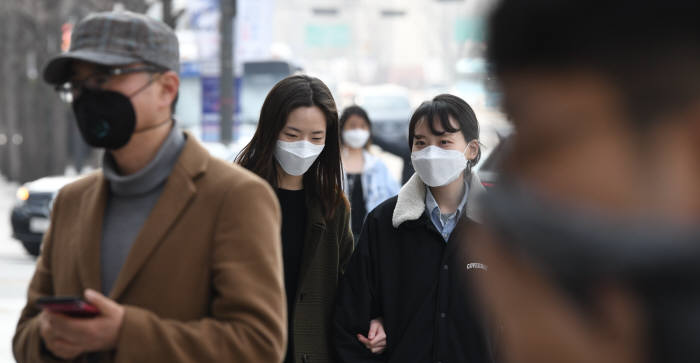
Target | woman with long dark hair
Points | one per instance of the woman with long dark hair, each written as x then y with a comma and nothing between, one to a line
296,149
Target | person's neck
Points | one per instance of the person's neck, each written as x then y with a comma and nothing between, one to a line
287,181
449,196
140,150
352,153
353,160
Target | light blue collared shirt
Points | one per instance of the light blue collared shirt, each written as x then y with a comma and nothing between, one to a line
444,223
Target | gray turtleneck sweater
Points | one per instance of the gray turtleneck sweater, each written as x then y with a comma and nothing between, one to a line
130,201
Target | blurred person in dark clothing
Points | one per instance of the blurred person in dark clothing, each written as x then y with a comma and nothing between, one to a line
591,238
405,271
400,150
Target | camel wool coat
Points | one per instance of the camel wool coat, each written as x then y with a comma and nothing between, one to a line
203,280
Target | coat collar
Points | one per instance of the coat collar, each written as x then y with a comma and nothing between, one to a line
315,229
410,204
93,204
370,160
177,193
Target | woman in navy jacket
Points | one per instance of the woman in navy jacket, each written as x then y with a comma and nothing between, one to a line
408,268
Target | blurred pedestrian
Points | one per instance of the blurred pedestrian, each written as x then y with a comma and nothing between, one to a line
591,236
367,179
177,250
399,150
296,148
404,272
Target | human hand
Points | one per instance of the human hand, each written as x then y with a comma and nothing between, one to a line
68,337
54,342
376,337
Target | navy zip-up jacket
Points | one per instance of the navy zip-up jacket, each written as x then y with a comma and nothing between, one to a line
419,284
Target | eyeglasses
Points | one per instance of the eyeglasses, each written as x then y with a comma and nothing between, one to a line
70,90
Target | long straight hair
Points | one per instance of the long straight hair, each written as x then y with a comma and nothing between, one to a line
324,177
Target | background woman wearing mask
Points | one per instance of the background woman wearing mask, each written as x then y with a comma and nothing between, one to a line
367,179
296,149
409,268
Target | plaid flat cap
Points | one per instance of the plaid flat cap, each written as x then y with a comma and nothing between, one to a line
114,39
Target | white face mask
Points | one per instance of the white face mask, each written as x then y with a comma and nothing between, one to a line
296,157
437,166
356,138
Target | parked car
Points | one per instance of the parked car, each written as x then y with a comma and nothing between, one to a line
389,108
30,216
492,160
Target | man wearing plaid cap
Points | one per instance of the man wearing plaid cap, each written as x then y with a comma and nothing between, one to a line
179,252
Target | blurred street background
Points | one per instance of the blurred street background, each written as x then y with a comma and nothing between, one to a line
387,56
16,269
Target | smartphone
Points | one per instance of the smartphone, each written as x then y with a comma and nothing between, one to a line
69,305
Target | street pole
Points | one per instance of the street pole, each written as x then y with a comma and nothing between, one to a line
168,13
226,86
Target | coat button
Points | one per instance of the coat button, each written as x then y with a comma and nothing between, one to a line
445,267
443,315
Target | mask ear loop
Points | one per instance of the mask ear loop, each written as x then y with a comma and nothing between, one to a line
150,82
468,170
155,126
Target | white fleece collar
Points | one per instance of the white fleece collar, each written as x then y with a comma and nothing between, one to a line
410,204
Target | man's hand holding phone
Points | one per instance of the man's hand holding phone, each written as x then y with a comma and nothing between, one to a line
69,305
68,336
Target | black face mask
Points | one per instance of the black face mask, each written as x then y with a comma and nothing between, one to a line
580,249
106,119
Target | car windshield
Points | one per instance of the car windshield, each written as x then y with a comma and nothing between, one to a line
253,93
385,103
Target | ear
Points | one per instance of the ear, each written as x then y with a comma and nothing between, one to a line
170,84
472,149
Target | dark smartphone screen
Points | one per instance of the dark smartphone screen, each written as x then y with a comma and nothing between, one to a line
69,305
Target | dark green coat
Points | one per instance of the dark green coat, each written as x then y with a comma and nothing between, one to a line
328,245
